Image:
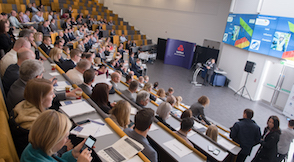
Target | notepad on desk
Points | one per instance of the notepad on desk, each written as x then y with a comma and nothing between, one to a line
101,79
76,109
177,147
60,85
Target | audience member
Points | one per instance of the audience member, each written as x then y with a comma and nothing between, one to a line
55,55
179,100
115,79
66,36
102,70
100,97
20,17
286,138
89,77
129,79
76,74
143,121
26,16
60,35
37,17
14,21
187,114
75,56
46,45
120,114
123,38
142,98
11,56
12,72
71,34
34,8
161,94
247,133
66,24
48,134
29,7
212,132
50,16
45,29
38,37
81,46
129,93
198,109
5,38
146,79
163,112
53,26
269,140
186,127
79,33
170,91
148,87
141,81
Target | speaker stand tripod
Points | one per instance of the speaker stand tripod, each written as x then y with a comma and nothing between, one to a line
244,88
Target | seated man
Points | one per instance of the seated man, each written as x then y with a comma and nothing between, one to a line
129,79
66,24
45,29
53,26
186,127
26,16
89,77
37,17
46,45
170,91
66,36
141,81
142,98
123,38
13,20
143,121
76,74
129,93
12,72
115,79
75,56
11,57
71,34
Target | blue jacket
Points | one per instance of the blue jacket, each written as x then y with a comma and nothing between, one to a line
247,133
36,155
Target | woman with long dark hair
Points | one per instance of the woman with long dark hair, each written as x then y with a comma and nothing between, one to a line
100,97
6,39
270,138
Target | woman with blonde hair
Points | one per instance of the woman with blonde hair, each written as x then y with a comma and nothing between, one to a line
55,55
212,132
179,100
48,134
198,109
38,38
148,87
163,112
161,94
120,113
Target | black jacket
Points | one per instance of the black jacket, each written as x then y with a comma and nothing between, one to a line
268,149
67,65
45,48
247,133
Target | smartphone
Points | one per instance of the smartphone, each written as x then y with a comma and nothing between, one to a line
216,152
131,124
89,143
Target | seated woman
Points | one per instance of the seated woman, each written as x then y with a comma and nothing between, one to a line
102,70
186,114
161,94
6,39
148,87
38,38
163,112
212,132
48,134
38,96
179,99
100,97
55,55
120,114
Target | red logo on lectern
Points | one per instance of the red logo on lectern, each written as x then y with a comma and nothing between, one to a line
181,48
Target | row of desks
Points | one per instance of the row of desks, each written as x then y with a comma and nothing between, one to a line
159,136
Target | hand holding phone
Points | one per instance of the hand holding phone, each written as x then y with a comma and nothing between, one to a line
89,143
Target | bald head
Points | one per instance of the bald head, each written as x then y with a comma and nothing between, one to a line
21,42
115,77
24,54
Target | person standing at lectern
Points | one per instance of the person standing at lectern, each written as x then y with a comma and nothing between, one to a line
210,66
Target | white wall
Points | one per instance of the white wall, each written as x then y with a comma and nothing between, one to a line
189,20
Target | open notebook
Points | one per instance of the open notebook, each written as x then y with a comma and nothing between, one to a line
76,109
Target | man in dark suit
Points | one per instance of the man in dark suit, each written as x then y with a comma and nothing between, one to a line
45,29
71,34
66,24
45,46
129,93
75,56
53,26
60,35
66,36
12,72
89,77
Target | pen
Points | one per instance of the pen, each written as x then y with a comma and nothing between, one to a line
96,122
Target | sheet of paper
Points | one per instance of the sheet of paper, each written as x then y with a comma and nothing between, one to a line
225,143
54,74
198,125
133,111
101,79
77,109
135,159
178,148
60,85
153,127
122,150
191,133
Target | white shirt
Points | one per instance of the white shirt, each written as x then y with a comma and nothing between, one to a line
8,59
286,138
75,76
